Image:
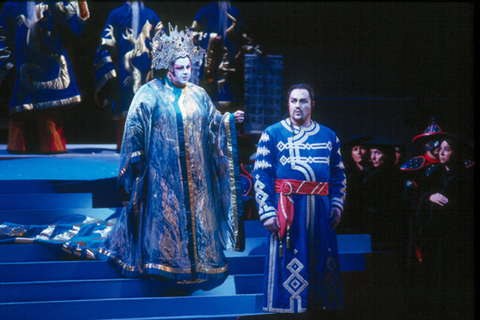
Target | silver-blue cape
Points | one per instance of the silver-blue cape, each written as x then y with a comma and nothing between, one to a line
183,206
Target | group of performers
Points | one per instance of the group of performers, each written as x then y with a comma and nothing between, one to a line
31,47
422,210
179,173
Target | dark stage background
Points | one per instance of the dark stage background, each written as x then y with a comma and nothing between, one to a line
376,68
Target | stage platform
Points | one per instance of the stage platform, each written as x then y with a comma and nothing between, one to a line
84,168
37,282
80,162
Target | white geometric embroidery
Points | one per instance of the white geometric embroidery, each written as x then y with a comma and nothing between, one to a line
263,151
265,137
304,160
304,146
295,284
262,164
261,197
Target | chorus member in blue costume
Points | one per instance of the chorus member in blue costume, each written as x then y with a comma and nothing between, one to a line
219,29
300,191
30,44
122,61
179,175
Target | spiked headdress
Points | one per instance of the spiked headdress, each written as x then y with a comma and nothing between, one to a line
166,49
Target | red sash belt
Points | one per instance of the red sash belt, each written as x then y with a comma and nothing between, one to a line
286,187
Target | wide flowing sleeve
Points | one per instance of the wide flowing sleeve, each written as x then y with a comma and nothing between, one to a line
135,142
224,146
105,73
72,14
264,176
337,185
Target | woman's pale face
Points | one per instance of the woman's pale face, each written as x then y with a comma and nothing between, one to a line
357,154
445,152
378,157
182,70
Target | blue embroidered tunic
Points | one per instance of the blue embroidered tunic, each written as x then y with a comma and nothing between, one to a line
124,54
183,206
308,274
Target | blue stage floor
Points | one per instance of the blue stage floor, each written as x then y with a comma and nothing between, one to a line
81,162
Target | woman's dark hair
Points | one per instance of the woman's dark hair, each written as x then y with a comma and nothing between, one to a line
458,151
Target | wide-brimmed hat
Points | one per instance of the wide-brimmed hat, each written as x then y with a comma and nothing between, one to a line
357,140
382,141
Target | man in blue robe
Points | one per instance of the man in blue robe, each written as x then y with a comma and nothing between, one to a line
30,44
300,191
122,61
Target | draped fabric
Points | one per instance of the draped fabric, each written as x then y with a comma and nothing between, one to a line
122,60
308,274
74,234
180,180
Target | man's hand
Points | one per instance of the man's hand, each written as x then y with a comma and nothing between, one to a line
272,224
439,199
335,216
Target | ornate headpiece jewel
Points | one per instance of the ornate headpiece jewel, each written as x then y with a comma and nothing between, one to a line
166,49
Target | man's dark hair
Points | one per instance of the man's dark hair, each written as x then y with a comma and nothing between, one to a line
301,86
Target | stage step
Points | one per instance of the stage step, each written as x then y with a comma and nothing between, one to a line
38,280
192,307
350,260
45,201
124,288
25,187
51,216
97,269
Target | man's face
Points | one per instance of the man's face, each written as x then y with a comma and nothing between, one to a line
300,107
445,152
182,70
378,157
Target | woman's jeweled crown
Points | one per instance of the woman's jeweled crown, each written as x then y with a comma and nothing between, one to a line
166,49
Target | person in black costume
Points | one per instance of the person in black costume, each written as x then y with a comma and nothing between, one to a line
382,191
444,237
356,159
